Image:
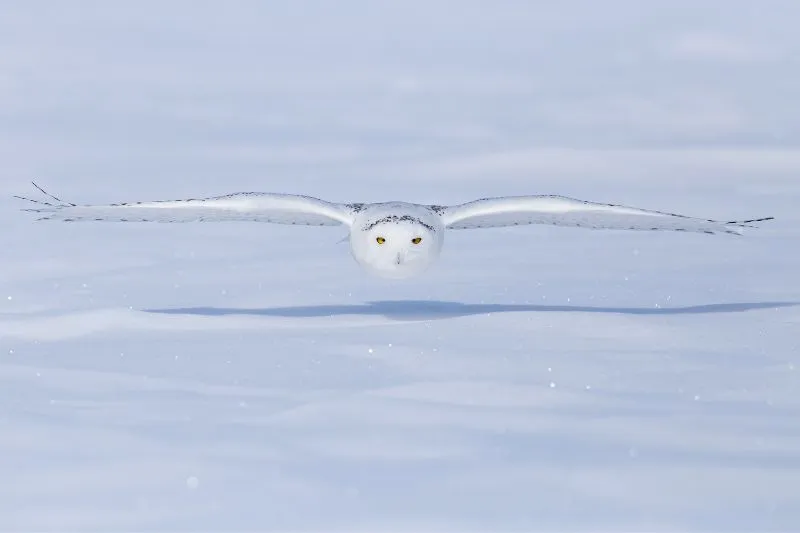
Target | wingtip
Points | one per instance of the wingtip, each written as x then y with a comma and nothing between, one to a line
40,189
738,227
38,202
751,221
62,203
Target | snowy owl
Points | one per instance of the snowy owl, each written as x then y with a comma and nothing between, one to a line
388,239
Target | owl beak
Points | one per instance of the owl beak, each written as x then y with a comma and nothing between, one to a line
399,259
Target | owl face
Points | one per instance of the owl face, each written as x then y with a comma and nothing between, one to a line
396,246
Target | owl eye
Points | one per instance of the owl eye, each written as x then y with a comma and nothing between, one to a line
416,240
380,240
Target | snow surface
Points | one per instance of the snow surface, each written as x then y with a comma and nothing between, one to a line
250,377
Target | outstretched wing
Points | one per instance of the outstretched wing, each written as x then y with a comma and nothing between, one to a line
563,211
244,206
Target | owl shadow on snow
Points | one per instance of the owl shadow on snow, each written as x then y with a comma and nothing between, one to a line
437,310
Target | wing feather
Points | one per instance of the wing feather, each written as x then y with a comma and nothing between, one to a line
571,212
243,206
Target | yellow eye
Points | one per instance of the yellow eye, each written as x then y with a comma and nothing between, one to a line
416,240
380,240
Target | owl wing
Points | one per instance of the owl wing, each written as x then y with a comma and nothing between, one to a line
244,206
563,211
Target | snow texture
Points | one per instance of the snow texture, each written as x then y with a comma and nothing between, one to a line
246,376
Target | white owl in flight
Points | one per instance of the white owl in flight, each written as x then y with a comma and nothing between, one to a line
389,239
